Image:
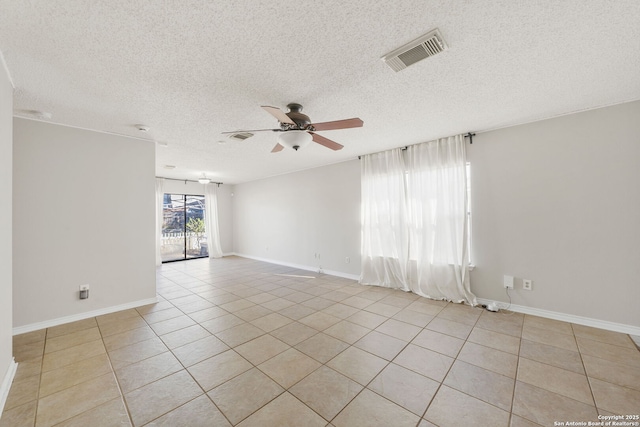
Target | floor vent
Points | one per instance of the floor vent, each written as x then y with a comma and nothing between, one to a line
421,48
241,136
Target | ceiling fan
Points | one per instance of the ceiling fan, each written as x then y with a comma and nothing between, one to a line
296,129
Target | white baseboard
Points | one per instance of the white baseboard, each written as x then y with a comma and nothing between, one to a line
586,321
300,266
81,316
6,383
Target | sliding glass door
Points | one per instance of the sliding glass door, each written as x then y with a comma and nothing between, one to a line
183,231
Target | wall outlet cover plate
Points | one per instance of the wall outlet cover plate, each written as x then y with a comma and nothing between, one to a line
508,281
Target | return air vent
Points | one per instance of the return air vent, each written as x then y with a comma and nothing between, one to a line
241,136
421,48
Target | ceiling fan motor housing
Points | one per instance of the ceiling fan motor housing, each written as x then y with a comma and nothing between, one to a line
295,113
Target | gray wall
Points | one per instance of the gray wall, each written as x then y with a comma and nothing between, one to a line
81,208
292,218
225,218
556,201
6,143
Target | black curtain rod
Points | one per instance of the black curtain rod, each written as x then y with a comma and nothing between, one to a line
468,135
188,180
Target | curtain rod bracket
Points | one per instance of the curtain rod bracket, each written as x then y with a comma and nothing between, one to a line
470,136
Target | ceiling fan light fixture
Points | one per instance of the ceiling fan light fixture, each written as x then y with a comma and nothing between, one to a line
295,139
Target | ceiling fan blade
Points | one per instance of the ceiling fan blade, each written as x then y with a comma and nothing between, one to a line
277,148
253,130
326,142
339,124
278,114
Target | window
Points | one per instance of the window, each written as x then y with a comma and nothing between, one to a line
183,228
424,214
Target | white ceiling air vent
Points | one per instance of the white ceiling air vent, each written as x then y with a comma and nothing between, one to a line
421,48
241,136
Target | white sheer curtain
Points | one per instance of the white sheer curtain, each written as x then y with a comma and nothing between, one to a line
159,218
414,220
437,203
211,220
384,220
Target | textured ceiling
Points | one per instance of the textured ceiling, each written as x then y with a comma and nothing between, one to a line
192,69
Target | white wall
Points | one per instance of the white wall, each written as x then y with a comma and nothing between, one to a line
6,126
225,216
291,218
82,203
558,202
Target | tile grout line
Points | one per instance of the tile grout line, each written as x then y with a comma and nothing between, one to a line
184,368
515,380
593,396
35,417
115,376
239,355
365,387
448,370
557,367
388,363
285,390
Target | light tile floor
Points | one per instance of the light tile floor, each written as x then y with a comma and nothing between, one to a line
240,342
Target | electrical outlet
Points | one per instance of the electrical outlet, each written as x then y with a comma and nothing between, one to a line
508,281
347,260
527,284
84,291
